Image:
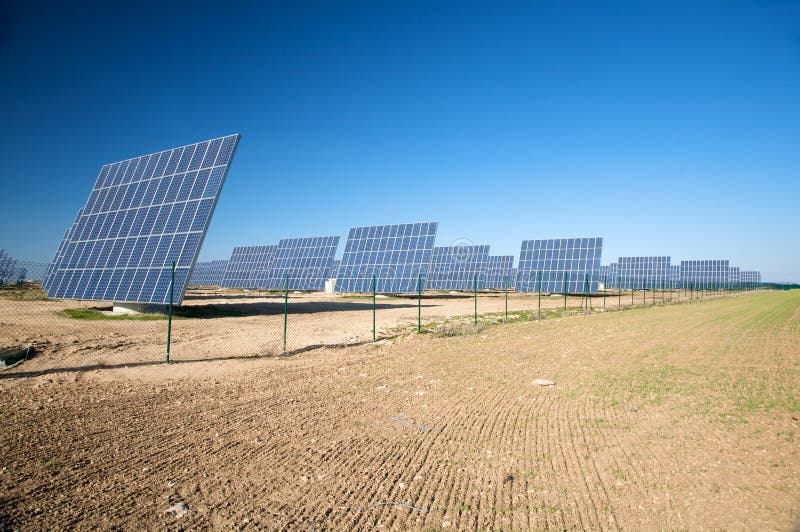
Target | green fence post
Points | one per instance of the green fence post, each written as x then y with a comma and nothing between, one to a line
539,278
605,280
419,303
506,298
475,291
374,332
565,291
169,315
285,311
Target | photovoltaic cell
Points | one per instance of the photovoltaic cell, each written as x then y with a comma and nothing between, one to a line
249,267
306,263
208,273
396,255
499,272
704,274
458,268
750,278
608,276
143,214
559,265
639,273
734,276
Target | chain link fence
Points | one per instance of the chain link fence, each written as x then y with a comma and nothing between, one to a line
223,323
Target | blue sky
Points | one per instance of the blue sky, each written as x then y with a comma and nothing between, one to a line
668,128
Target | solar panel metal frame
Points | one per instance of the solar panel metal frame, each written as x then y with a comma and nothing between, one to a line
127,235
397,255
556,264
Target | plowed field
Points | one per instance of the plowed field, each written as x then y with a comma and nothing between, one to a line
683,416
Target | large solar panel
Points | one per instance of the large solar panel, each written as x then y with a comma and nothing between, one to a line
560,264
208,273
305,263
637,273
397,255
249,267
458,267
705,274
499,271
143,214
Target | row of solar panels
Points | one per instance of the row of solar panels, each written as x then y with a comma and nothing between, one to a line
638,273
148,213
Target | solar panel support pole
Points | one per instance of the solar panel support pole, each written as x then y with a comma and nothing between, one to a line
285,311
373,309
419,303
169,313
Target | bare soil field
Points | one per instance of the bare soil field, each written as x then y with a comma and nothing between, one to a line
679,416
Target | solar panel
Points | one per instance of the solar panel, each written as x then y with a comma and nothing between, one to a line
143,214
559,264
249,267
56,262
305,262
397,255
499,271
335,268
675,276
734,277
208,273
608,276
750,278
637,273
704,274
458,267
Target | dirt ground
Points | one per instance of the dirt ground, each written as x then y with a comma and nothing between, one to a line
229,323
673,417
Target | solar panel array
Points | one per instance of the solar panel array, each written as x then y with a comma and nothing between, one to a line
559,265
499,271
396,255
705,274
143,214
458,267
637,273
208,273
249,267
306,263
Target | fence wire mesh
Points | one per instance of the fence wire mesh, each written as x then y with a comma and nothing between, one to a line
223,323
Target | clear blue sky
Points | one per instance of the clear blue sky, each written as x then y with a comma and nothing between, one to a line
668,128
